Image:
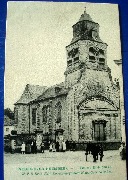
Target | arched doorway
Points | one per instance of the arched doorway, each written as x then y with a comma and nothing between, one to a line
95,119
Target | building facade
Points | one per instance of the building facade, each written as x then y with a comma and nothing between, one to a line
86,107
9,126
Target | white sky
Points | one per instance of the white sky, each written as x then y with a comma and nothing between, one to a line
37,33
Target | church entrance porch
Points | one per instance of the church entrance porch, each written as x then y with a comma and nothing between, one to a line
99,120
92,127
99,127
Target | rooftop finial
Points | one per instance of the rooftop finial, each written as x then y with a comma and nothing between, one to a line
85,10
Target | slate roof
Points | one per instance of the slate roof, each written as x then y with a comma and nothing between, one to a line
37,93
53,91
30,93
8,121
85,17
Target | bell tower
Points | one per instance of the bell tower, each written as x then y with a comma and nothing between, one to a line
85,50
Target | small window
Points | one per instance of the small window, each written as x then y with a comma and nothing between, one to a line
101,61
7,129
69,54
92,59
115,115
75,52
76,60
108,115
34,116
101,52
92,50
57,89
44,114
69,63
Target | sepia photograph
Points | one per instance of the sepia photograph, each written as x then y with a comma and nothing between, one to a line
64,114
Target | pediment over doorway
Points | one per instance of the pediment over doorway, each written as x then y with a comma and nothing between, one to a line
97,104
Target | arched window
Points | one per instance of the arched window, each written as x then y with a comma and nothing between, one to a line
58,112
101,61
69,62
16,115
97,54
73,57
101,52
92,50
101,58
44,114
34,111
92,54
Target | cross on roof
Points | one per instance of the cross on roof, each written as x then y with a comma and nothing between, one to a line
85,9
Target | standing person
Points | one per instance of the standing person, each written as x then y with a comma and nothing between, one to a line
86,152
120,149
12,146
23,148
64,146
74,146
97,151
57,146
67,145
71,145
101,152
50,147
34,147
94,152
29,148
42,147
53,147
89,147
60,146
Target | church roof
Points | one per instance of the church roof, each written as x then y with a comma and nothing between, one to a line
85,17
53,91
30,93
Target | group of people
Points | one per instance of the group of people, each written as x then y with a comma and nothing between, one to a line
96,150
29,147
54,146
62,146
58,146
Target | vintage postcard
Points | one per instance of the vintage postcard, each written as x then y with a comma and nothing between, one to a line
63,109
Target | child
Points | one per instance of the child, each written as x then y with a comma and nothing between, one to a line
23,148
50,147
42,147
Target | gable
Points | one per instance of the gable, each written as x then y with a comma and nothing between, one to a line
97,104
30,93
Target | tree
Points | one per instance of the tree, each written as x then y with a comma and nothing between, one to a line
8,112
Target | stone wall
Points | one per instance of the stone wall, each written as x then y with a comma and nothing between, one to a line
50,126
23,118
84,46
93,84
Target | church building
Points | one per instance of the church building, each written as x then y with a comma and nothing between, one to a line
86,107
